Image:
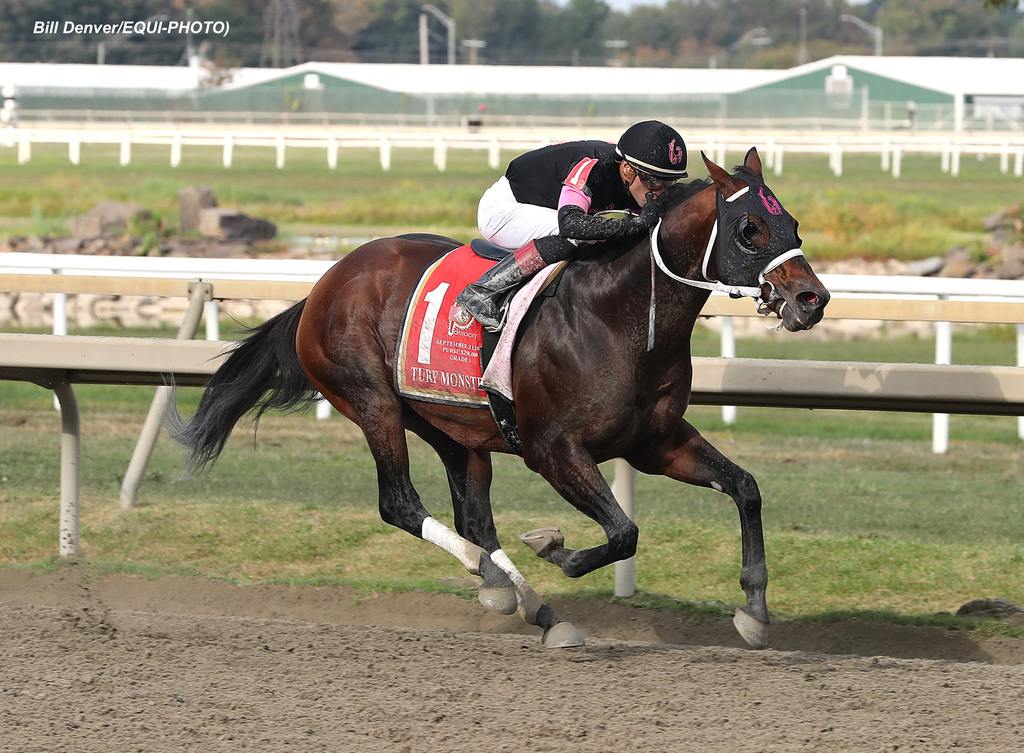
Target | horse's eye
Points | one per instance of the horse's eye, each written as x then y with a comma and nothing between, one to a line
747,232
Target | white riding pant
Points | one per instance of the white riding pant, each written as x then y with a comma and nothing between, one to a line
507,223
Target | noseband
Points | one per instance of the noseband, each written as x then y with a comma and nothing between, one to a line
733,291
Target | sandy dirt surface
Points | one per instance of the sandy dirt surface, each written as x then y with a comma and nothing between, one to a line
112,663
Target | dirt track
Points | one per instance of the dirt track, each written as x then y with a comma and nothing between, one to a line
119,664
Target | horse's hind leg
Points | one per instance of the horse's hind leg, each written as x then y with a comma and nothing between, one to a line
469,477
380,418
687,456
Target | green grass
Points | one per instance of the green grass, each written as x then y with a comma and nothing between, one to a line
863,213
860,517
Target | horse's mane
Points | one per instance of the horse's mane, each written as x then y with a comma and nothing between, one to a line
677,193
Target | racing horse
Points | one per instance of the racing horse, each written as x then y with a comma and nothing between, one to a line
603,371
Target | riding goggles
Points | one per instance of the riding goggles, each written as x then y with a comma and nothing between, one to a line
652,182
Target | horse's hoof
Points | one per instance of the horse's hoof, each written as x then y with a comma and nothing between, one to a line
563,635
543,540
752,630
500,600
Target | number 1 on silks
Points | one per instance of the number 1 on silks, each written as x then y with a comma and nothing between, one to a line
433,299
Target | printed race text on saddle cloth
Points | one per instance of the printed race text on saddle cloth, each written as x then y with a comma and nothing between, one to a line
439,350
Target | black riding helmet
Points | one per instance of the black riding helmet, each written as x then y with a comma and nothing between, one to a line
655,148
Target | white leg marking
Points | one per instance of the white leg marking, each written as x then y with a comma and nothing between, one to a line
529,601
464,551
499,558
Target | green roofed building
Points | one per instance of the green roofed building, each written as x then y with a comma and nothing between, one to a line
926,92
840,92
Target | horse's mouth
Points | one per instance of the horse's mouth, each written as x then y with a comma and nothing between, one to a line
804,316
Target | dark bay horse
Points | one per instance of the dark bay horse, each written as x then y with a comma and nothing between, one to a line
602,372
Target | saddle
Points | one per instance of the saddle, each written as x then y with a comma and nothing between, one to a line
488,250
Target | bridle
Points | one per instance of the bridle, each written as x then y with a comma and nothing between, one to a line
764,305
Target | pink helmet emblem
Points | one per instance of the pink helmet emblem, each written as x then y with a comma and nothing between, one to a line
675,153
769,201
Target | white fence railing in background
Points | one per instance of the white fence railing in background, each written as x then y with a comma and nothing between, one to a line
309,271
889,147
889,117
914,288
268,270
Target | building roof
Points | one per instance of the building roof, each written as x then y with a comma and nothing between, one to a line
949,75
85,76
520,80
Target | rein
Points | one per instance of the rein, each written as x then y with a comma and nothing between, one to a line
733,291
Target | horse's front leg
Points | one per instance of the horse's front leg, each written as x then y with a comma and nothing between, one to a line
687,456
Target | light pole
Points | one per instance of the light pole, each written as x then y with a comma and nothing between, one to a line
449,24
802,54
874,31
115,39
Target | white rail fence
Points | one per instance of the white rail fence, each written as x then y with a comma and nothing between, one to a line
890,148
849,295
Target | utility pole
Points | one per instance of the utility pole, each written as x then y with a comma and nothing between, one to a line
281,46
474,46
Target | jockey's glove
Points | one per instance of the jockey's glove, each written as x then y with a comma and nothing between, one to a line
574,223
649,215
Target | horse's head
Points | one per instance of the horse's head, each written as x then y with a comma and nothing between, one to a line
758,247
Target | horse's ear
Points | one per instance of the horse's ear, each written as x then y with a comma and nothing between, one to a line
718,174
753,161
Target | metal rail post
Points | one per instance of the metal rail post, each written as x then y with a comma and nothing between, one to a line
943,355
728,351
70,443
211,316
200,293
623,487
60,322
1020,364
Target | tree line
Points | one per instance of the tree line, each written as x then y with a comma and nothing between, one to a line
693,33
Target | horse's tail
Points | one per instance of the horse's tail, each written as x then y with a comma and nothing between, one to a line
262,373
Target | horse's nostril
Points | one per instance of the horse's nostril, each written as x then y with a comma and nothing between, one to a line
808,299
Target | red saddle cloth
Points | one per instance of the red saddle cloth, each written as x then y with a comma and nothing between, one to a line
439,345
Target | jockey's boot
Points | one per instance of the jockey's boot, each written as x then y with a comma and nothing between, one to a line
485,299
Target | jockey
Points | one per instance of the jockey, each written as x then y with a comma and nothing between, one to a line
546,200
